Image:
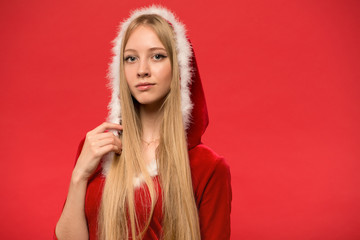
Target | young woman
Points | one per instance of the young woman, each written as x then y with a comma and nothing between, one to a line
151,177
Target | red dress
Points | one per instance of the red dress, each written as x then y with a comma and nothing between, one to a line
212,191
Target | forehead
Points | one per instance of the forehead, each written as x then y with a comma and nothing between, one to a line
143,38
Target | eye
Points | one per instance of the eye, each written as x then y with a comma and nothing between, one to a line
130,59
159,56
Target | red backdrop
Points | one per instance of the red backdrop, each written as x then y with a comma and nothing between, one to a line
282,86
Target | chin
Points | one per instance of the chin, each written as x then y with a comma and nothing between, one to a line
147,101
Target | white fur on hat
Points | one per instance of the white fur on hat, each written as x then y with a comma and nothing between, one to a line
184,54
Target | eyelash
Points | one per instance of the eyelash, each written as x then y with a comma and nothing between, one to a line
132,57
128,57
160,55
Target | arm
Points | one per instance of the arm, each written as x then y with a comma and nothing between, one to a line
72,223
215,206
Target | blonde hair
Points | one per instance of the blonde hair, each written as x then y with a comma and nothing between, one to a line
117,216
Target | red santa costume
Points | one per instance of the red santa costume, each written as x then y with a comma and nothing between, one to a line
210,173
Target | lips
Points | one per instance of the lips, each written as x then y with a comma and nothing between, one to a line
144,86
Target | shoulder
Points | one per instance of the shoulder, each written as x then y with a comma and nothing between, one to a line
203,158
208,169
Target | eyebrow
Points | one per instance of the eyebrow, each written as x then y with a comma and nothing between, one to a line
151,49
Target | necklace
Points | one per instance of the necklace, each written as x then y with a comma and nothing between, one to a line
148,143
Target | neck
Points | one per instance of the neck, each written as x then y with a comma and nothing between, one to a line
151,117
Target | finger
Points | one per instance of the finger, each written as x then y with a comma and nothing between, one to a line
105,126
113,140
118,142
118,151
104,142
104,135
107,148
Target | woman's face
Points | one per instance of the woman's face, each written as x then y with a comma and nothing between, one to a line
147,66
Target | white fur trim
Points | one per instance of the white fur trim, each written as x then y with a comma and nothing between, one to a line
151,167
153,171
184,54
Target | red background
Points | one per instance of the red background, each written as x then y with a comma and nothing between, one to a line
282,86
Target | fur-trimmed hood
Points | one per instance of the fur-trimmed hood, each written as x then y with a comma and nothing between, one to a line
193,104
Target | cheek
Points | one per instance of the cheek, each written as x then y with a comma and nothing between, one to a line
130,79
164,72
129,74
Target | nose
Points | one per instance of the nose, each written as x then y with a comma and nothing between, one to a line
143,70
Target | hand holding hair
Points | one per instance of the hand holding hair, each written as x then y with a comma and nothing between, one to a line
97,143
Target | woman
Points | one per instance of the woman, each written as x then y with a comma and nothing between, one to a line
150,178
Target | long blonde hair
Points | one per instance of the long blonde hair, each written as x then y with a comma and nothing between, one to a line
117,216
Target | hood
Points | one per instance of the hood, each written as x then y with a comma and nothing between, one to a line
193,104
